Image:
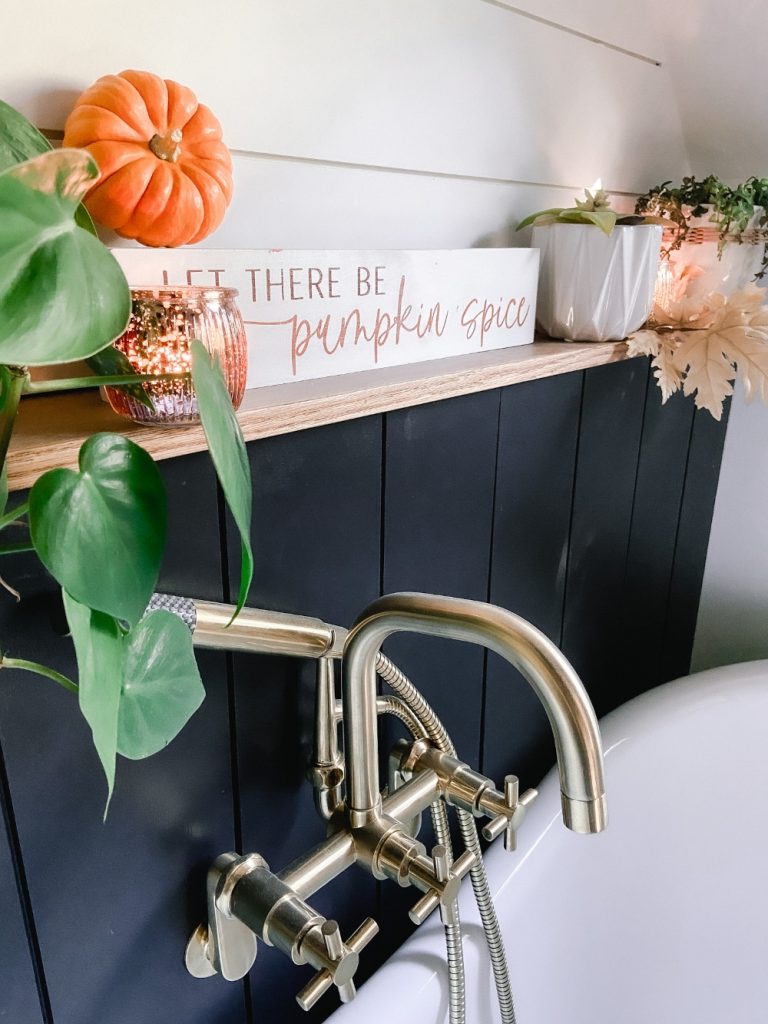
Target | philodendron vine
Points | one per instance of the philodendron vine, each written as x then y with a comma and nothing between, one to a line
63,297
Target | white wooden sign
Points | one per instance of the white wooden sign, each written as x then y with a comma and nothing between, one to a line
317,314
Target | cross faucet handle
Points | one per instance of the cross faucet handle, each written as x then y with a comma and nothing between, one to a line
509,811
446,898
344,956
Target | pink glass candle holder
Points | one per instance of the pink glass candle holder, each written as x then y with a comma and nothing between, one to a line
164,321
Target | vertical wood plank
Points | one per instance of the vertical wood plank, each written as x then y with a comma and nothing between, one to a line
698,503
439,482
19,1000
440,470
537,451
653,533
606,468
316,536
114,903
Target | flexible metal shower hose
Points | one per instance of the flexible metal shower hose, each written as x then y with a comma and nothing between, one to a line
453,947
436,732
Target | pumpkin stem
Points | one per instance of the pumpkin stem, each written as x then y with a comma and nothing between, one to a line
167,147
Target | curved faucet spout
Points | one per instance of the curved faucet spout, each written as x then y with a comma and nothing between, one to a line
556,684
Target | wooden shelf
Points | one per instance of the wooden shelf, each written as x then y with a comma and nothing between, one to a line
50,429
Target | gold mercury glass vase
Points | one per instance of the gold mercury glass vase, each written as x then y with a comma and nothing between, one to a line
164,321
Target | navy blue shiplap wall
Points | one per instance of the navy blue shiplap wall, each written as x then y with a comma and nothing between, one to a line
577,501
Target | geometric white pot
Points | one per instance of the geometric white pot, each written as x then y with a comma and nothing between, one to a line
592,286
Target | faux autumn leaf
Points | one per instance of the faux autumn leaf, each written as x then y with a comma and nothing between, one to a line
709,374
661,346
725,337
735,341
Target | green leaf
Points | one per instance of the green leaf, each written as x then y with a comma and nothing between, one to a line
99,649
83,220
111,361
227,447
20,141
136,691
604,219
63,295
101,531
162,688
553,212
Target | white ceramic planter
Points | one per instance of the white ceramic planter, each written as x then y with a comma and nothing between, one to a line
729,272
592,286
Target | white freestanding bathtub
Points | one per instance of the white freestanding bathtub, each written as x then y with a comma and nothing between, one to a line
661,919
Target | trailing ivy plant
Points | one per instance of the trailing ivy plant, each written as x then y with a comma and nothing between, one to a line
63,297
730,208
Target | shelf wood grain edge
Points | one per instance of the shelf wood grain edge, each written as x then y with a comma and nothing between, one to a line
50,429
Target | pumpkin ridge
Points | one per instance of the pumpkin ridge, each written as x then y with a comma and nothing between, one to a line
198,167
141,229
112,156
80,130
214,200
141,99
139,198
127,209
169,228
118,96
98,106
161,125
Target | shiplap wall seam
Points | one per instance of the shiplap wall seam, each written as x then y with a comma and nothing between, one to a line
419,172
55,135
573,32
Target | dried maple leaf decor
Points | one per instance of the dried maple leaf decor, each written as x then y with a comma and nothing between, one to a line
703,348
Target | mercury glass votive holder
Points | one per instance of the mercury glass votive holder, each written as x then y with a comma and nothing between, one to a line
164,321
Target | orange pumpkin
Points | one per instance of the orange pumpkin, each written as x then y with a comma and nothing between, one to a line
166,175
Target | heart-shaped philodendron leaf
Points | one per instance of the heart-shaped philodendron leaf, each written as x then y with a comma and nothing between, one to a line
20,141
63,295
109,362
99,649
101,531
162,687
227,448
138,690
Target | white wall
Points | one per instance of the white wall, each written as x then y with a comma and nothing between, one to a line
716,62
733,614
716,58
356,123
